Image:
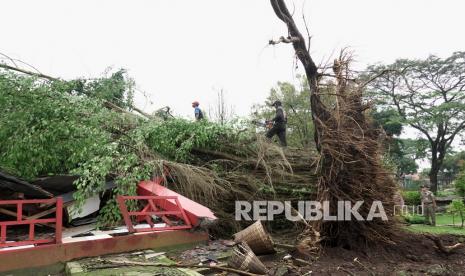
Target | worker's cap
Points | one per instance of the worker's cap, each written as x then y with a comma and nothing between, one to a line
195,103
276,103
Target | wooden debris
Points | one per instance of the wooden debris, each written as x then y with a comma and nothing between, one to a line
227,269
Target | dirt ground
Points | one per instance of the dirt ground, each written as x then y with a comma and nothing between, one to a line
413,255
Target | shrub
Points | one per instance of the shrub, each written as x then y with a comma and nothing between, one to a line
446,193
460,184
457,207
411,197
414,219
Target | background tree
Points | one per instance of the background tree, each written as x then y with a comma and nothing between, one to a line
389,120
429,95
404,153
401,153
460,182
221,112
295,103
453,162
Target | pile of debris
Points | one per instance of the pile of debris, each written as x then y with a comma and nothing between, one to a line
252,252
61,186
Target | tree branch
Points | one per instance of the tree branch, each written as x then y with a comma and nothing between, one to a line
38,75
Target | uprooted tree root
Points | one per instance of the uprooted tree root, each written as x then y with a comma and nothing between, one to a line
349,168
446,249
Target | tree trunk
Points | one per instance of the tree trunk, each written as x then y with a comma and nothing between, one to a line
433,179
433,173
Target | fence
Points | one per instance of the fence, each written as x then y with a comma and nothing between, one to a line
32,221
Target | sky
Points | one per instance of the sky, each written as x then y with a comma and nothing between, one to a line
181,51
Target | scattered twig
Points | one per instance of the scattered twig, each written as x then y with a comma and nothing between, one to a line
298,214
364,266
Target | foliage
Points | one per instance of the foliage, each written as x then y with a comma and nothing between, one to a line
296,104
412,198
60,127
401,154
453,162
116,87
404,153
457,207
388,119
429,96
446,193
137,155
414,219
460,183
174,139
45,131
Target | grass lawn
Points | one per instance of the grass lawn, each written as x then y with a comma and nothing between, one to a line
443,226
420,228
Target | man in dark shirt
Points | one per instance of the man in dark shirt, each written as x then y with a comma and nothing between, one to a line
279,126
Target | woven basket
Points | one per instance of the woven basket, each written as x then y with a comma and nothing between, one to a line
243,258
257,238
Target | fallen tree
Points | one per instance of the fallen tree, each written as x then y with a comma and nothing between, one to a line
52,126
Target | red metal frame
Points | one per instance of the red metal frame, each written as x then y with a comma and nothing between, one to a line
194,211
49,254
156,205
57,220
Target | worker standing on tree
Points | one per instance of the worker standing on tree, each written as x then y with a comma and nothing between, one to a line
429,205
197,111
279,126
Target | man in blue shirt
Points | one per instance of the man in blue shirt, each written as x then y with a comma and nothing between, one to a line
197,111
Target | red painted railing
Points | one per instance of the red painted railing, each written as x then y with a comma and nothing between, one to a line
32,221
160,206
